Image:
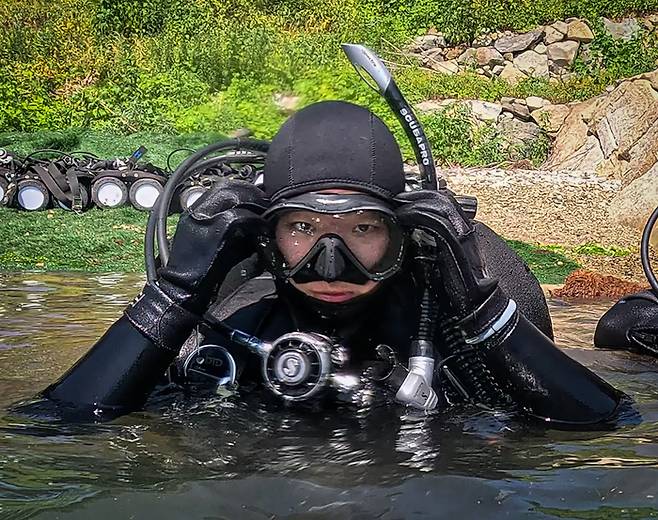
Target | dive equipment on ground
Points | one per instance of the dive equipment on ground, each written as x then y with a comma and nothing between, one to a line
644,250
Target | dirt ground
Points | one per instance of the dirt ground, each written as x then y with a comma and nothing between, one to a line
568,209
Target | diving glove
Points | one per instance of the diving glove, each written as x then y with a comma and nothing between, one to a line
481,307
218,232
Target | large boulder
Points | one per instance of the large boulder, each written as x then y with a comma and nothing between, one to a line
552,35
517,132
488,56
626,30
484,110
573,149
633,204
624,122
517,42
562,54
511,74
532,63
579,31
551,117
428,41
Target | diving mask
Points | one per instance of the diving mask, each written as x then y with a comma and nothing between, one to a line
333,237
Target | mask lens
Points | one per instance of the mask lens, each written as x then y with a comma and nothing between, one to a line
372,237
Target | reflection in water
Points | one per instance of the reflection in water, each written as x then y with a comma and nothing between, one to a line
242,458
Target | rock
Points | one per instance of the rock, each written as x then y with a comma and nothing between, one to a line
517,43
511,74
540,48
454,52
586,158
509,56
518,132
430,105
652,77
552,35
432,55
532,64
286,103
551,117
449,67
579,31
625,124
468,57
517,107
631,111
606,138
484,40
488,56
535,103
497,69
560,26
634,203
624,30
562,54
641,156
484,110
428,41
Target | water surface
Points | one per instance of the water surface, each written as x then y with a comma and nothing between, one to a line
234,459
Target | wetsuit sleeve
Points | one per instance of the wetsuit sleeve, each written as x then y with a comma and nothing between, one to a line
114,377
631,324
546,383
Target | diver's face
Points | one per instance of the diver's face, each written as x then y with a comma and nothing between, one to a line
364,232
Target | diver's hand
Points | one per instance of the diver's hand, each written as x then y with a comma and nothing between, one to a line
218,232
475,300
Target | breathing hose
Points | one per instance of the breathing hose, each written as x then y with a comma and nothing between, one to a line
156,227
644,251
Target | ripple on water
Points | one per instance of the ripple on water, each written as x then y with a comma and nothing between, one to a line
242,458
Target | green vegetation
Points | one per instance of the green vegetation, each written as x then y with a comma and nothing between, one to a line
113,241
171,67
105,144
550,264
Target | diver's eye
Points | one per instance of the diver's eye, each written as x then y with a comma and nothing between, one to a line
365,228
303,227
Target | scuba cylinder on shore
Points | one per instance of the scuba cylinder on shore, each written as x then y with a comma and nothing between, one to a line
119,181
32,195
109,192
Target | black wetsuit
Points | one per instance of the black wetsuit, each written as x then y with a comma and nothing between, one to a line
631,324
526,373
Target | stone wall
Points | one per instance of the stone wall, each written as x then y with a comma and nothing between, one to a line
545,52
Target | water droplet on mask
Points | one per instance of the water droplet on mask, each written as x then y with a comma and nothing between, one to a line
293,233
296,243
359,212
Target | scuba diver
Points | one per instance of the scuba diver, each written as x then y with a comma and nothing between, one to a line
632,323
368,286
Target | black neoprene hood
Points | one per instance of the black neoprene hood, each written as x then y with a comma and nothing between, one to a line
333,144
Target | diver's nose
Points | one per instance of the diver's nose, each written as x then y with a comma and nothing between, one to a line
330,263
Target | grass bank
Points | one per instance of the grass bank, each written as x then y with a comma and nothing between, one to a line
113,241
172,67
